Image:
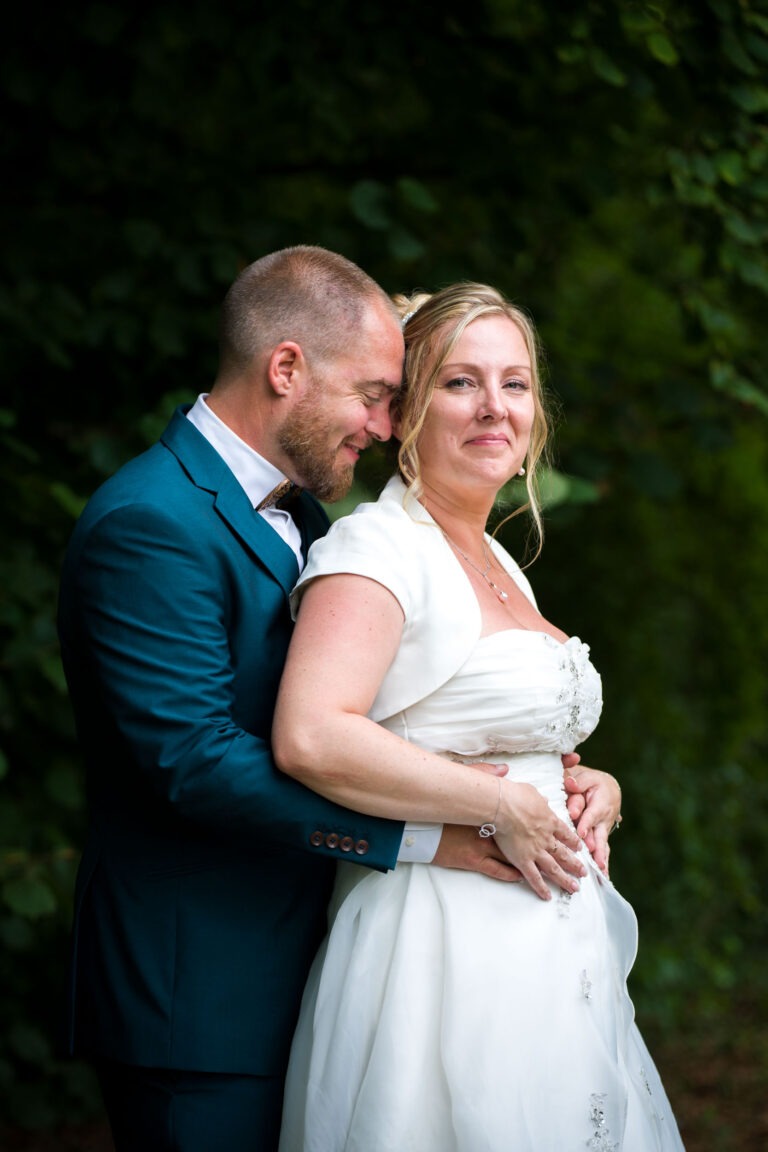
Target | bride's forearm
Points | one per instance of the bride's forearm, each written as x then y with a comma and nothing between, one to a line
356,763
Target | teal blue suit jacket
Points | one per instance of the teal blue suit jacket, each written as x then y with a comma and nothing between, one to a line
202,890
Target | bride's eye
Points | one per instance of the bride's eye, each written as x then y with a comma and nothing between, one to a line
457,383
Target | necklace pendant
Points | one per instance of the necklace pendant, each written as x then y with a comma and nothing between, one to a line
502,595
499,593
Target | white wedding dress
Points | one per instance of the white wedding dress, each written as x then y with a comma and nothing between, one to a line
448,1012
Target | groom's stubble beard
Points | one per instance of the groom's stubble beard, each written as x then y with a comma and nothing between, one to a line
308,438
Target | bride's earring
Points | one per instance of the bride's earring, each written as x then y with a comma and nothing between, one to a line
521,471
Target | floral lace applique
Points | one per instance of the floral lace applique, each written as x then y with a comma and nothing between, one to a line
579,695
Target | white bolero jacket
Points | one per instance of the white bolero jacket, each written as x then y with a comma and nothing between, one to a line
397,543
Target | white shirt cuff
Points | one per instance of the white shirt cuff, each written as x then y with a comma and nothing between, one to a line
419,843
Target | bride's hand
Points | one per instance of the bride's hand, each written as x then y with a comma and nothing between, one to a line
536,841
594,804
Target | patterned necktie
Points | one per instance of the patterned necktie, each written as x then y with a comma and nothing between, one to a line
282,496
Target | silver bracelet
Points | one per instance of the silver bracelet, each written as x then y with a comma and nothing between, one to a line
488,830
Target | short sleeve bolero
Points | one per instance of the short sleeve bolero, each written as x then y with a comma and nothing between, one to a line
396,542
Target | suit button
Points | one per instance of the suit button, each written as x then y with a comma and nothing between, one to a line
361,847
332,840
347,844
316,839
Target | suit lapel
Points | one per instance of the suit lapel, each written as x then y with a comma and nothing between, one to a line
234,507
207,471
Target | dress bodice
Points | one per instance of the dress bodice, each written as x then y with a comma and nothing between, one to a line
519,691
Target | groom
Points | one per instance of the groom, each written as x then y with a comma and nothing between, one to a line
202,889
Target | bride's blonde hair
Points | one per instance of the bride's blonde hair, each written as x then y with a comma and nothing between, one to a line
432,326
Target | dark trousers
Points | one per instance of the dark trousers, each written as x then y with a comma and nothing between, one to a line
161,1110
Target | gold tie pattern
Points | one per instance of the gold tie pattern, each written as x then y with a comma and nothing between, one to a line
281,496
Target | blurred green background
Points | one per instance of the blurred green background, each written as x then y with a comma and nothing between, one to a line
603,162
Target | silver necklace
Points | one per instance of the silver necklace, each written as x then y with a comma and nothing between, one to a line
498,592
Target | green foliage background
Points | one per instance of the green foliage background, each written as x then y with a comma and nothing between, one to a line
603,162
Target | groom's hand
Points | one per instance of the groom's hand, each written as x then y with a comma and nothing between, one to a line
463,847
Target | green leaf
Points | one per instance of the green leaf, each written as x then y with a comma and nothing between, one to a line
662,49
744,230
581,491
417,195
368,200
704,168
404,246
62,784
725,378
555,488
755,20
718,322
734,51
605,68
105,453
571,54
16,934
757,45
29,896
730,166
750,98
754,273
636,21
63,495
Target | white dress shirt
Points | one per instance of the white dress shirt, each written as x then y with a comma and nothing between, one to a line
255,474
258,477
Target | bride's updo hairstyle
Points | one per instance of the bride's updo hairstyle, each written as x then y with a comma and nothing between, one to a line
432,326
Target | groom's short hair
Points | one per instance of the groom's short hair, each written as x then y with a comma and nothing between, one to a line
306,294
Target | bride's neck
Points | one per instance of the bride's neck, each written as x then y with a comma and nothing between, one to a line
461,519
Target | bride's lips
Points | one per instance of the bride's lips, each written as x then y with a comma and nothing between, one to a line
486,440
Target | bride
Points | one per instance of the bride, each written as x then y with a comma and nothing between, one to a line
444,1006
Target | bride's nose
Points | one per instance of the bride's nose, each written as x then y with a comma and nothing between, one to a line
491,404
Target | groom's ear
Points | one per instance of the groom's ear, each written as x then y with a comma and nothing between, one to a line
286,368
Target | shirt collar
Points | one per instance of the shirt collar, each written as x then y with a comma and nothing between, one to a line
255,474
